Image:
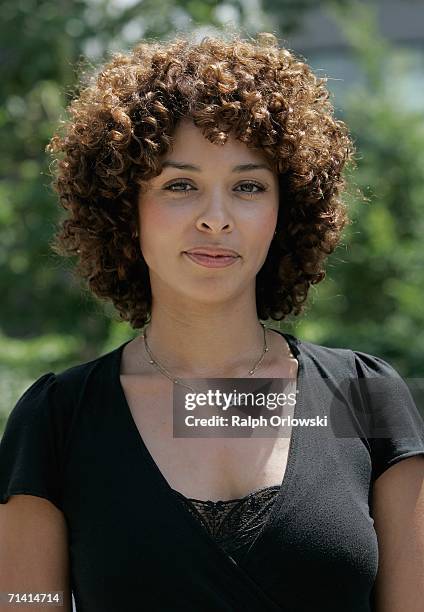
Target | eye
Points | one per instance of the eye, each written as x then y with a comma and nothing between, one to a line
258,187
176,184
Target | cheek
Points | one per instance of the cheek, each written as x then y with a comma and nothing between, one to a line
158,225
261,233
263,225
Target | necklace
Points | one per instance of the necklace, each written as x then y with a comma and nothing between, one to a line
177,381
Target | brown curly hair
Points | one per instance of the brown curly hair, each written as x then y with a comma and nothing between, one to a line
122,122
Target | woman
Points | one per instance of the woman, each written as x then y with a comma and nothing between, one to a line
202,184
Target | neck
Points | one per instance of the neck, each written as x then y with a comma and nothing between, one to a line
192,344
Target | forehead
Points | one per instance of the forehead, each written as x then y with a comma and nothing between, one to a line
189,141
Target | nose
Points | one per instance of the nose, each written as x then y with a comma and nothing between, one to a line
215,216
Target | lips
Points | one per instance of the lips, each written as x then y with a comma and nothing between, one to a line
213,252
212,261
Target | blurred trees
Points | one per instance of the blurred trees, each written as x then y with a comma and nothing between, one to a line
371,299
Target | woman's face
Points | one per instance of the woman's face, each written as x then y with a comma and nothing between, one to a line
209,203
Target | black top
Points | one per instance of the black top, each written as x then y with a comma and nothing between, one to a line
71,438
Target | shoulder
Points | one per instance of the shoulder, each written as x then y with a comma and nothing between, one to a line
346,359
366,375
53,393
370,382
74,376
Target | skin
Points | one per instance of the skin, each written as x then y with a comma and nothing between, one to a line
204,320
398,512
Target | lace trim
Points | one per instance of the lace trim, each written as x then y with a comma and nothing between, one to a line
233,523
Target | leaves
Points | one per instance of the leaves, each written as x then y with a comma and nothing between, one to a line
372,296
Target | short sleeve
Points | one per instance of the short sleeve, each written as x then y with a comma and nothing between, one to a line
29,457
397,430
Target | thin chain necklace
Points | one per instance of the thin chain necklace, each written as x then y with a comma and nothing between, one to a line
177,381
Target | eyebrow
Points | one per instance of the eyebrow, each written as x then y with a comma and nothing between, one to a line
239,168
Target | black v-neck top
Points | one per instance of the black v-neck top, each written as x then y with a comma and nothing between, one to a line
133,546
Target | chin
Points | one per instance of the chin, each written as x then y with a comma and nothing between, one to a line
208,291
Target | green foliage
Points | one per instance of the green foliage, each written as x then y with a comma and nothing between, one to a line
371,299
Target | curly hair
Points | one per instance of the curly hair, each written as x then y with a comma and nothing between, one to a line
122,122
